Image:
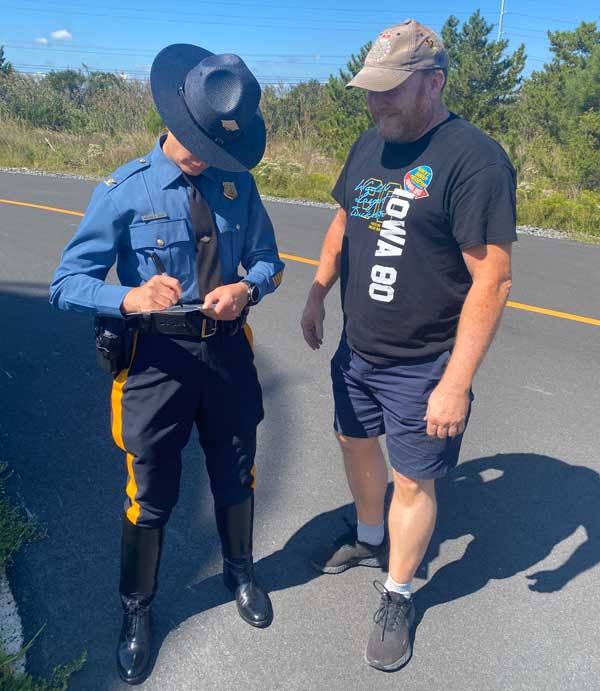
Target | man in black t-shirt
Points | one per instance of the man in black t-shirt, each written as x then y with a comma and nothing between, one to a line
422,246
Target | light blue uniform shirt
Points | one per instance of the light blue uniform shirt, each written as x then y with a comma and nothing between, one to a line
143,208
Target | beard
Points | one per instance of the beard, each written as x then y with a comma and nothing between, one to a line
406,127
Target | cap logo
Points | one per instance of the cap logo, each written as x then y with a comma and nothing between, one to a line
381,47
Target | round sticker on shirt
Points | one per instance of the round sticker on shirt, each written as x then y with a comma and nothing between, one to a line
417,180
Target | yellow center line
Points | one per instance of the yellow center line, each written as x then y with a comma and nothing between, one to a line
553,313
314,262
45,208
303,260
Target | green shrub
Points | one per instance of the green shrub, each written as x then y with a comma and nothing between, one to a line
578,216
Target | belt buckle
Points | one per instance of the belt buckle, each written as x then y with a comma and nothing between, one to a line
207,334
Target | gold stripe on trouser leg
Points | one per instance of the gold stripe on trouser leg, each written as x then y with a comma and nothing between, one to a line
249,335
117,432
133,511
253,473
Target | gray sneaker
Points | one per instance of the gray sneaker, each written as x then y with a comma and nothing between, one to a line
389,646
347,551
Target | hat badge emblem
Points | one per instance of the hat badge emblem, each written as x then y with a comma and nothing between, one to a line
230,125
230,190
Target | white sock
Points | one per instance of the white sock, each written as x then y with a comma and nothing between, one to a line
371,534
402,588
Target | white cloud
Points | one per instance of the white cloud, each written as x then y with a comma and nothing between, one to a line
41,41
61,35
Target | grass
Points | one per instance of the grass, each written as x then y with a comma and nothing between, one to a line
292,169
16,530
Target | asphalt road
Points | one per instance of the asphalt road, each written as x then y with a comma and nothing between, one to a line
507,596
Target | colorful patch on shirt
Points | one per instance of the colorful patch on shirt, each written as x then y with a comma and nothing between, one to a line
418,180
373,195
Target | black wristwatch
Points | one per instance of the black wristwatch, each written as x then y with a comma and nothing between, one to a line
253,293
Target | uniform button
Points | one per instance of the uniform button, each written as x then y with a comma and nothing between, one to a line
160,242
238,226
142,160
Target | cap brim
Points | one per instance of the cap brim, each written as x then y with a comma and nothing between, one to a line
168,73
378,79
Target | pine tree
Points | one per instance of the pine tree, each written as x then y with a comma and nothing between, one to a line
5,67
482,81
346,114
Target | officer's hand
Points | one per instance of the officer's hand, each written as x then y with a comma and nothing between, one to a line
312,322
230,301
158,293
446,412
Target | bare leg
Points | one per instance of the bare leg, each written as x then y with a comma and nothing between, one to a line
411,523
366,471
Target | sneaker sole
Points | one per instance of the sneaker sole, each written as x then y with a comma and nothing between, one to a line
395,665
400,662
372,562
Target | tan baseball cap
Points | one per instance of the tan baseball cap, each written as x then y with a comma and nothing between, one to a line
397,53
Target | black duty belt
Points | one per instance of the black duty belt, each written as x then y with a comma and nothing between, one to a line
188,324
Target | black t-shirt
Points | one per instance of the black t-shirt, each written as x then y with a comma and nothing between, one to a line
411,209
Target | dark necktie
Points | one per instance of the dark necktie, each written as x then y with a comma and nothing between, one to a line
208,263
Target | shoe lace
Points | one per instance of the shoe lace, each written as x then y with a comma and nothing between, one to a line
134,610
390,612
131,625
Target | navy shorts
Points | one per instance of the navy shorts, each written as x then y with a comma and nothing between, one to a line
371,400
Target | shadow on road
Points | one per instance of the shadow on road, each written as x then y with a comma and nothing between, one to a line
516,507
55,434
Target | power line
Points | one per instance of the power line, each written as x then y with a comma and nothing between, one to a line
275,6
265,79
545,19
74,47
315,61
207,20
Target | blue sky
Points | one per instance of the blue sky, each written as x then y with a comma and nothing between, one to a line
284,41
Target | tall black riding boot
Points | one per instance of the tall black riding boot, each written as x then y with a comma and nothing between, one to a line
140,557
235,530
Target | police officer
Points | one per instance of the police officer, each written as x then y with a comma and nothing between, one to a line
178,222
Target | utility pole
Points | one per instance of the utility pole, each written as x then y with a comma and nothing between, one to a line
501,19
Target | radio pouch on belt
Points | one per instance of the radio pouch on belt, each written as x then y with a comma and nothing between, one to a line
114,341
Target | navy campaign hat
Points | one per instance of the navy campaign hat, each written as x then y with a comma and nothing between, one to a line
211,105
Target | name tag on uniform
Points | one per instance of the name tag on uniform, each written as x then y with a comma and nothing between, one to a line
154,217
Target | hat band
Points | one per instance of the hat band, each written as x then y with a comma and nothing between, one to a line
228,136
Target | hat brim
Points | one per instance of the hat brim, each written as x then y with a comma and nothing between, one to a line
378,79
168,73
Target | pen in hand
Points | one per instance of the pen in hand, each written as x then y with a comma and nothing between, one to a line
160,268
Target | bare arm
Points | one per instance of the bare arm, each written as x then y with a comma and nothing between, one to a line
490,268
327,274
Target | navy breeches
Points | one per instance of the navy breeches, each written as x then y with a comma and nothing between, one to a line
171,384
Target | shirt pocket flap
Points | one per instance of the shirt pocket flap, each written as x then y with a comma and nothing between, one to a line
158,233
229,221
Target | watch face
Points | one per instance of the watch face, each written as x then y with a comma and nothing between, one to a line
254,293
